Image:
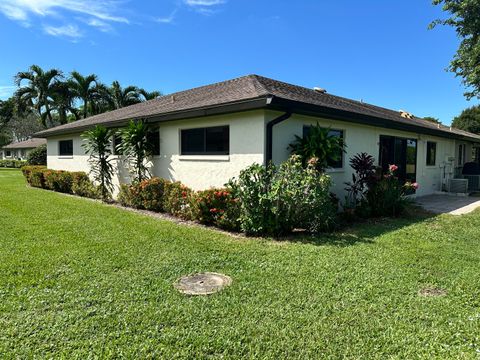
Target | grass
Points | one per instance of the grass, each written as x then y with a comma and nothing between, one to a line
79,279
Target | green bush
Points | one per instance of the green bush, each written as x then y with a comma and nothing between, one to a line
12,164
83,186
34,175
276,200
148,194
177,200
38,156
217,207
58,180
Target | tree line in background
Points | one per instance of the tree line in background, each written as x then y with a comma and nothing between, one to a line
47,98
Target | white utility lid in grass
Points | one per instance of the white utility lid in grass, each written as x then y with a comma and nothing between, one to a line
202,283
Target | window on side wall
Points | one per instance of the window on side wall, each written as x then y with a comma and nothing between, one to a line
206,141
65,147
461,154
431,153
154,139
8,153
332,132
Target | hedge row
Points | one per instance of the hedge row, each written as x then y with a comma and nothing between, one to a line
77,183
14,164
215,207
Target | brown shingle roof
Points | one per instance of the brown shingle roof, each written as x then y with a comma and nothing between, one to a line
248,89
27,144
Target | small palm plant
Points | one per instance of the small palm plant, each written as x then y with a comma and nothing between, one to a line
137,148
319,144
98,145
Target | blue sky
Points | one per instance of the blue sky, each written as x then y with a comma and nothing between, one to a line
379,51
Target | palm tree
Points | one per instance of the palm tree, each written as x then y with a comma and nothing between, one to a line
149,95
83,88
37,93
63,99
122,97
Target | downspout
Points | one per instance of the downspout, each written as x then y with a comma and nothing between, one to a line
270,125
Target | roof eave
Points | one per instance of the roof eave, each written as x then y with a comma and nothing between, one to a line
342,115
239,106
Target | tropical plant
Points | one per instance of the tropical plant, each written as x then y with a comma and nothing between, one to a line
37,92
98,145
320,144
136,148
38,156
121,97
63,102
84,88
149,95
364,166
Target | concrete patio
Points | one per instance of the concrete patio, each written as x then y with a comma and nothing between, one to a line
448,204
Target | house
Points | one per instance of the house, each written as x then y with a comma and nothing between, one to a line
207,135
20,150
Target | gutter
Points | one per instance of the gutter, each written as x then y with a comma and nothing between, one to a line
270,125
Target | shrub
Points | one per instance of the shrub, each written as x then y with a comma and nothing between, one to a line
58,180
38,156
12,164
275,201
34,175
178,199
83,186
217,207
148,194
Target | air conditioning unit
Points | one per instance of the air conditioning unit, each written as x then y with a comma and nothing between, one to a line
459,186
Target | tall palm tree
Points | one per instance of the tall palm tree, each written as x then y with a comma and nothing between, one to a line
83,88
63,101
37,93
122,97
149,95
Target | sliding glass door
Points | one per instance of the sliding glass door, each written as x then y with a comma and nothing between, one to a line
401,152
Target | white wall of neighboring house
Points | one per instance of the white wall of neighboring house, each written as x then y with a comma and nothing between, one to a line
15,154
248,146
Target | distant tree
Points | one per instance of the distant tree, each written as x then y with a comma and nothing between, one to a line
122,97
465,18
36,87
149,95
22,126
97,143
137,148
84,88
468,120
38,156
63,101
432,119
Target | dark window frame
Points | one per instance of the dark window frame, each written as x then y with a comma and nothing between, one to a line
154,137
203,141
61,152
8,153
429,161
340,164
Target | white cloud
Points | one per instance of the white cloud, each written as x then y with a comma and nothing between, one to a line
204,7
101,14
71,31
168,19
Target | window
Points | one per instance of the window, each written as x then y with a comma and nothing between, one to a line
332,132
461,154
154,139
8,153
206,141
431,153
65,147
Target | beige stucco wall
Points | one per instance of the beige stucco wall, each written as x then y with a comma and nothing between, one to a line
198,172
247,146
362,138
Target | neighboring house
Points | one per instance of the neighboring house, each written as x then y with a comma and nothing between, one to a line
20,150
207,135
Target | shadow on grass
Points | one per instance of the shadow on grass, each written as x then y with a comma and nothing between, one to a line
361,231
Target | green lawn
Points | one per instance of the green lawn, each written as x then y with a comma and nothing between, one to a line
79,279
